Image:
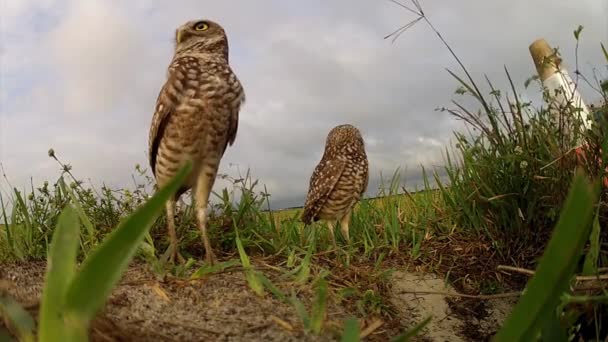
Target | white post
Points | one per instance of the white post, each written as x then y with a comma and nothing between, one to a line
556,79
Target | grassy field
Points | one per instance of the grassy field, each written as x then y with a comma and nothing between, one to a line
405,200
510,205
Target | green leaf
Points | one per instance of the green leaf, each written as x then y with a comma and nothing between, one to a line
577,32
319,307
304,272
552,331
103,268
208,269
590,265
9,235
556,265
26,214
18,317
466,86
81,214
272,288
406,336
60,270
301,311
351,330
254,282
529,80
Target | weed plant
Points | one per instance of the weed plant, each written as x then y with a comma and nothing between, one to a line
508,179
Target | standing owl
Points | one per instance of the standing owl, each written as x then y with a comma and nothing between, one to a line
196,118
339,180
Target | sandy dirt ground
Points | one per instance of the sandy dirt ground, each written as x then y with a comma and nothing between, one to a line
455,319
221,307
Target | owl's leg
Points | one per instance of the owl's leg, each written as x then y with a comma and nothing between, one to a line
344,222
330,225
201,199
170,207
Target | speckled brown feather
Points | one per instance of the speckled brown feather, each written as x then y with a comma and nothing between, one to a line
210,90
195,119
324,179
164,107
340,178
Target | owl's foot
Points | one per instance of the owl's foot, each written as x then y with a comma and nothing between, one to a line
175,255
210,257
330,225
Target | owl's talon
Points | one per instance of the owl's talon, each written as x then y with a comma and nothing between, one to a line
180,258
176,255
210,257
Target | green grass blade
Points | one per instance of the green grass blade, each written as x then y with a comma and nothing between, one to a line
319,307
604,51
18,317
9,235
104,267
552,330
590,265
304,273
21,205
81,214
207,269
556,266
21,208
301,311
351,330
272,288
406,336
61,266
254,282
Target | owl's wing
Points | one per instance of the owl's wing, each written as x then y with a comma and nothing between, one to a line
233,123
322,182
165,105
366,183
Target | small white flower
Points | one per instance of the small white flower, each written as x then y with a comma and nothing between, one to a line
523,164
518,150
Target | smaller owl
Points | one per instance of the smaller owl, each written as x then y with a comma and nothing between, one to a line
339,180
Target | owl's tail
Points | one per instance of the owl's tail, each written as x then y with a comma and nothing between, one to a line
307,216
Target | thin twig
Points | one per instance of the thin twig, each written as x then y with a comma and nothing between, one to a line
455,294
531,272
558,158
514,269
371,328
597,277
407,8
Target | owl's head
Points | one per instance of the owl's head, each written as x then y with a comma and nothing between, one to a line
343,136
201,36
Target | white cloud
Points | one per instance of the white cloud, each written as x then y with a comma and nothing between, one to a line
85,80
99,55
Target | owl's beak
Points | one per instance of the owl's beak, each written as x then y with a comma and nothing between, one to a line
178,36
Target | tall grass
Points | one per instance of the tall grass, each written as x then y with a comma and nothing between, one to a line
509,175
508,179
381,227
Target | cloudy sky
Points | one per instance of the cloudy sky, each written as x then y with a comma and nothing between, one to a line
82,77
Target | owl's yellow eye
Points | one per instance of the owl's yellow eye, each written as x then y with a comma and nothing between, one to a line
201,26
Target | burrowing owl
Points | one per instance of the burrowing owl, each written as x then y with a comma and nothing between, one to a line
196,117
339,180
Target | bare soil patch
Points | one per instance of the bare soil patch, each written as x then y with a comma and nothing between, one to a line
221,307
455,319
